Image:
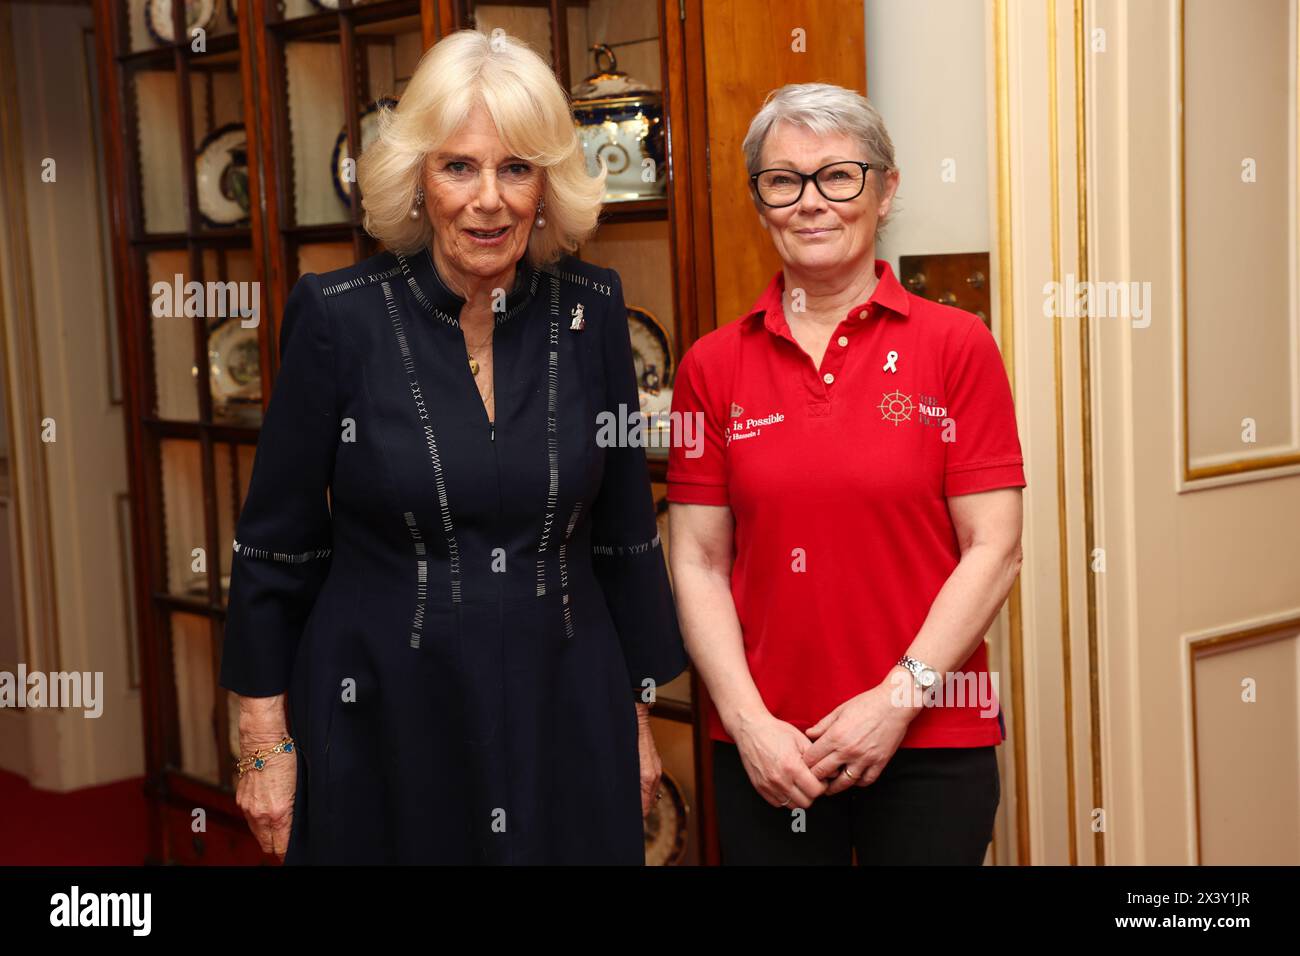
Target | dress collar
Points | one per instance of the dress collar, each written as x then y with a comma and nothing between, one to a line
440,301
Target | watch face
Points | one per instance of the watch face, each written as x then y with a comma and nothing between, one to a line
928,677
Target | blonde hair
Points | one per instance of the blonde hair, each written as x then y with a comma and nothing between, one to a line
531,113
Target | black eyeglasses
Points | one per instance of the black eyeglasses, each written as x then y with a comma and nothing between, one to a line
837,182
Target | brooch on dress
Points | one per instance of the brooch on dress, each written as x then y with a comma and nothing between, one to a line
578,323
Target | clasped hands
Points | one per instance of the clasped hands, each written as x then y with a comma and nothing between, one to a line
848,747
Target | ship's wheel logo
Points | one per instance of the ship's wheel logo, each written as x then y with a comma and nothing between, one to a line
896,407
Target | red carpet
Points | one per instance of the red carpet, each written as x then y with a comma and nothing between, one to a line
97,826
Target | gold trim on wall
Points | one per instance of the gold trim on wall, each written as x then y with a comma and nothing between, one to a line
1085,374
1240,465
1015,623
1062,518
1206,647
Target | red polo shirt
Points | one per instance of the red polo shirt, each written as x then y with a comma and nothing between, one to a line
838,478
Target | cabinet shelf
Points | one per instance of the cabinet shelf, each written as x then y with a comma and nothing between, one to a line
195,606
635,210
216,431
323,232
222,236
326,21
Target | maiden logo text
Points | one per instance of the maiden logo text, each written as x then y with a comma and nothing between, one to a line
931,410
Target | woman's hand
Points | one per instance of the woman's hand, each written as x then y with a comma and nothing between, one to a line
266,796
651,767
772,752
860,735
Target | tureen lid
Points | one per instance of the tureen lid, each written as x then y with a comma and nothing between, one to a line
608,80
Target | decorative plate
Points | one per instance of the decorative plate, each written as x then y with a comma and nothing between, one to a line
650,349
665,826
158,17
369,122
234,362
221,176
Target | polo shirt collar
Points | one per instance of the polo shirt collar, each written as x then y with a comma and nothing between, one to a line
889,298
437,298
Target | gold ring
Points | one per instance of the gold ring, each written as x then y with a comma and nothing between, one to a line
848,773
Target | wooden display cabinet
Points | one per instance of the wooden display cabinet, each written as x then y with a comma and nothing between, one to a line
301,77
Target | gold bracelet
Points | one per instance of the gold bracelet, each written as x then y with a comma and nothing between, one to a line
257,759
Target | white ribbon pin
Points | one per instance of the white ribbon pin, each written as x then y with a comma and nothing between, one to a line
890,362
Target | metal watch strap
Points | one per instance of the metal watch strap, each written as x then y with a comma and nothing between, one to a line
914,667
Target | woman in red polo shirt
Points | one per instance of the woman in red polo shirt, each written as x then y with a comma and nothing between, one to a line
847,526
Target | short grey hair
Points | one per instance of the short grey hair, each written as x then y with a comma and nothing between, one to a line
826,110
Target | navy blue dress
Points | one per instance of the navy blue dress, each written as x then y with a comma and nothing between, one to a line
461,611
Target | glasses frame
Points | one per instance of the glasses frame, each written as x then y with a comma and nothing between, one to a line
805,177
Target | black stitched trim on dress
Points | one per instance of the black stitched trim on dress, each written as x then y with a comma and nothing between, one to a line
430,441
623,550
361,281
421,578
532,291
552,439
564,569
420,297
452,320
283,557
601,287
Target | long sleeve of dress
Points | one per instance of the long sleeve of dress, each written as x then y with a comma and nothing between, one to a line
283,536
626,551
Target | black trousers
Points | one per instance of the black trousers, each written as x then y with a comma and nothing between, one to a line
931,805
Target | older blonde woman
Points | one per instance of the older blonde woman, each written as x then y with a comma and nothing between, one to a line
852,526
460,591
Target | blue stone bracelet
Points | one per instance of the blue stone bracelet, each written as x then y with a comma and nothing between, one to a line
257,759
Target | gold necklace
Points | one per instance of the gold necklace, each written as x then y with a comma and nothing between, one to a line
470,350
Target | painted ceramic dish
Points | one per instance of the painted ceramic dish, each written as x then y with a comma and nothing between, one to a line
158,17
369,130
221,176
665,826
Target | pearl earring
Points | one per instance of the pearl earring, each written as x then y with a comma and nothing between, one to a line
419,201
540,221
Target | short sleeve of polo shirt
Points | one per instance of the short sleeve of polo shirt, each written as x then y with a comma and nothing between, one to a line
697,462
984,452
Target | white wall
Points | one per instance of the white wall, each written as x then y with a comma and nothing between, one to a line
926,74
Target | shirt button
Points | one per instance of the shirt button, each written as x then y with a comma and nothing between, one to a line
862,314
828,378
843,340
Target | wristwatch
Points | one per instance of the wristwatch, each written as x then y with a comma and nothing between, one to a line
923,675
